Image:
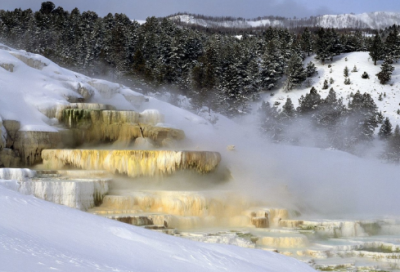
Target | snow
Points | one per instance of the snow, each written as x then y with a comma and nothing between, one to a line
36,235
374,20
389,105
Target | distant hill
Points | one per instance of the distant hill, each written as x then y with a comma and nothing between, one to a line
373,20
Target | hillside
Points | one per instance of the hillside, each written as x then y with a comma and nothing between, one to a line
38,235
373,20
293,188
389,103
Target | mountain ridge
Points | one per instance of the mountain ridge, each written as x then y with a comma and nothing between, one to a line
372,20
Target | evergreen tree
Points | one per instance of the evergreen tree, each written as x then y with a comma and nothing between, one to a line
307,42
326,86
288,111
310,102
386,129
376,48
311,69
363,116
346,71
327,45
393,147
270,124
392,44
387,69
272,65
295,72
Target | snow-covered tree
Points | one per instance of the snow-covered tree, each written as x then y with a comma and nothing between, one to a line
392,152
385,130
310,102
376,48
387,69
307,42
295,72
311,69
326,85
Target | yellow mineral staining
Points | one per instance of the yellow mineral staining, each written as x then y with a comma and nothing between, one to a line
97,125
133,163
284,241
290,223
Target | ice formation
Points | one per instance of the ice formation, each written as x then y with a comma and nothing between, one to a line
133,163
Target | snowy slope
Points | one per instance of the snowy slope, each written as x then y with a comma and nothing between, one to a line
389,105
374,20
36,235
27,93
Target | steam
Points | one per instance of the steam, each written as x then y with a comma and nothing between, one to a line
309,179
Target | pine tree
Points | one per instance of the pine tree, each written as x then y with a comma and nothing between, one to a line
363,116
386,130
326,85
365,75
310,102
376,48
393,147
307,42
295,72
346,71
270,125
387,69
288,111
311,69
392,44
272,65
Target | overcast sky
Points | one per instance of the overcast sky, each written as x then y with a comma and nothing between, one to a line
141,9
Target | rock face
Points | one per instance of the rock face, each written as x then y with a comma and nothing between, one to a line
23,148
133,163
31,143
97,125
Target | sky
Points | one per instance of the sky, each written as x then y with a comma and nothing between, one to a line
141,9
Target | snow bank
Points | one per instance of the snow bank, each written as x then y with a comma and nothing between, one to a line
69,240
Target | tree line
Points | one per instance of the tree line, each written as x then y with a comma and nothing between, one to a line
216,70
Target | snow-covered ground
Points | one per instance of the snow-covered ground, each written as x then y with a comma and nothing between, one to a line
36,235
389,104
